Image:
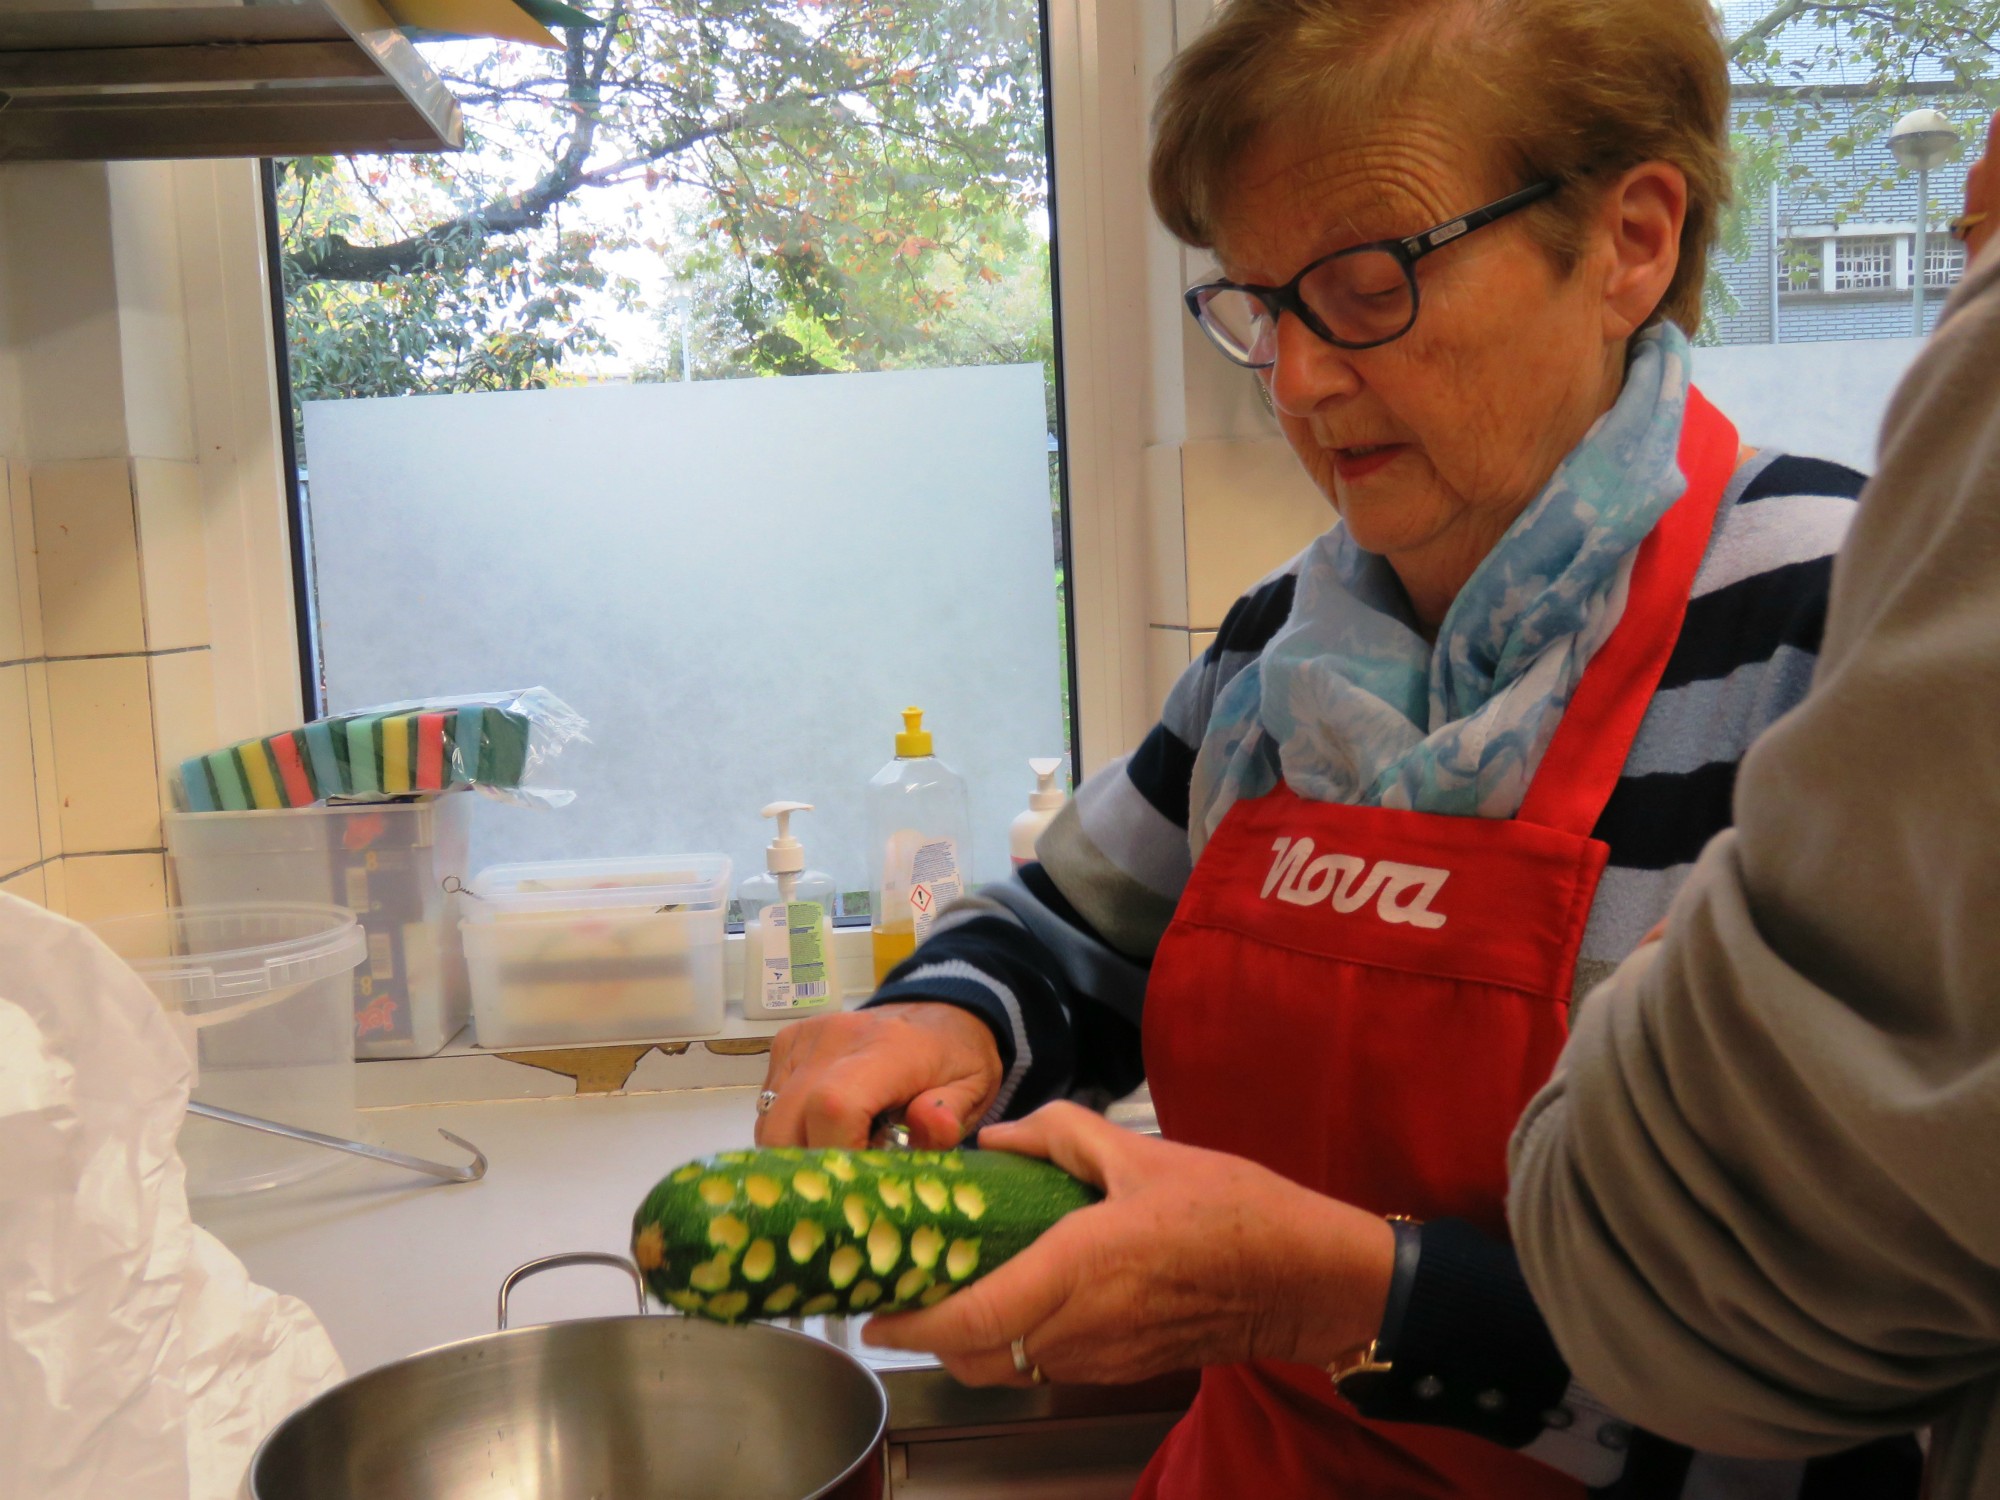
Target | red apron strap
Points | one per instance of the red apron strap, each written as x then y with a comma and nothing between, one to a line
1583,761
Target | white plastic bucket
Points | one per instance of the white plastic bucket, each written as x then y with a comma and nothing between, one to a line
263,994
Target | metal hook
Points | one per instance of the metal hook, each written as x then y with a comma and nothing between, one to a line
354,1148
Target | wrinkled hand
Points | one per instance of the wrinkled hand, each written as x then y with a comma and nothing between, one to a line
1982,194
1194,1258
834,1074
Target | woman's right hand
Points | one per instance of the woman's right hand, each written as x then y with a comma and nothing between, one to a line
834,1074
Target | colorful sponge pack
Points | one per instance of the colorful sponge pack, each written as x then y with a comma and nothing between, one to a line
493,742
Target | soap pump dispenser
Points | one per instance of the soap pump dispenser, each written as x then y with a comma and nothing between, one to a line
788,967
1044,802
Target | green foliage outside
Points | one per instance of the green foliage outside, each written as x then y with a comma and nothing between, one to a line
831,184
850,185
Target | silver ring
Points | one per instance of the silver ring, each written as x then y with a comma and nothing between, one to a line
1022,1364
765,1100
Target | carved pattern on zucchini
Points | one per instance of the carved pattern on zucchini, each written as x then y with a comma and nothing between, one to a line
790,1232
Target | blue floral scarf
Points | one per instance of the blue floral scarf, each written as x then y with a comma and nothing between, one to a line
1349,703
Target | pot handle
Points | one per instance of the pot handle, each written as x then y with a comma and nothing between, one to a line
571,1258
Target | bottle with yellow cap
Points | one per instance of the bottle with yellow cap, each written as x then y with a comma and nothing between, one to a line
920,843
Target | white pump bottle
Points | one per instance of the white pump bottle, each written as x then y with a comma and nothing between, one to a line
788,967
1044,802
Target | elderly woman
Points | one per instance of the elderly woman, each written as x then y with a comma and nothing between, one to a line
1429,781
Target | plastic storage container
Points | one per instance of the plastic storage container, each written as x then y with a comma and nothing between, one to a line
597,950
390,863
261,994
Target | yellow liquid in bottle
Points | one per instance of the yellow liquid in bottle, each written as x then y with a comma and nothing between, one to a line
892,945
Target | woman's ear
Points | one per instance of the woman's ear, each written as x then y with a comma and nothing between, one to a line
1640,224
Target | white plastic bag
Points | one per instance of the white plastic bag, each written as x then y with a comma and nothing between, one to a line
137,1359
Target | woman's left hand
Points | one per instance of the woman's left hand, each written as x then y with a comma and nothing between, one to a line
1193,1258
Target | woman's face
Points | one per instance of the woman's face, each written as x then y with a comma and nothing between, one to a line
1430,446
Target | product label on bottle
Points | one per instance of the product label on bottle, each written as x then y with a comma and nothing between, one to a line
935,881
794,955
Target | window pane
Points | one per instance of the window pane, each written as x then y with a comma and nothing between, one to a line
1864,265
1944,261
1804,265
615,479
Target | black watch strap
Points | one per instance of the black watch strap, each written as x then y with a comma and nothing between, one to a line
1357,1371
1409,1248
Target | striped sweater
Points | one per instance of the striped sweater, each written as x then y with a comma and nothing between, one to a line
1056,960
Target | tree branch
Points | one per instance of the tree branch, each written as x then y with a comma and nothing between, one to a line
1776,19
336,258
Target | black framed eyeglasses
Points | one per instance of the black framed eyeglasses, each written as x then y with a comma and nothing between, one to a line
1355,298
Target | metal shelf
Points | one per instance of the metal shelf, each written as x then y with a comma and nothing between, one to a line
290,78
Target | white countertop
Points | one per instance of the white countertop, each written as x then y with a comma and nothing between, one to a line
394,1263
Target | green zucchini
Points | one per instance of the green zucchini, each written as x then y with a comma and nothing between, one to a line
790,1232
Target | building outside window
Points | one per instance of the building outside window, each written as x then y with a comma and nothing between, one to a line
1820,242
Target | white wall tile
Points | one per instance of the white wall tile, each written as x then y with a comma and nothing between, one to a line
29,886
55,889
102,712
27,566
1166,537
65,315
20,831
41,732
13,632
1199,641
183,710
1250,507
113,885
172,555
1166,658
89,553
152,320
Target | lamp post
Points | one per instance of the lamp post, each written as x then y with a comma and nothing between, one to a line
1921,140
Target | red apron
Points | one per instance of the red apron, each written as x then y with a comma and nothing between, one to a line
1364,1000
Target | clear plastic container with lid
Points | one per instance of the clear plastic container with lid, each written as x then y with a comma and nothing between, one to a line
393,864
262,997
919,846
597,950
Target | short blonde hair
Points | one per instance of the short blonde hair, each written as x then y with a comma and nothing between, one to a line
1576,91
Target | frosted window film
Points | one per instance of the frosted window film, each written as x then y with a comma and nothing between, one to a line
1824,399
739,583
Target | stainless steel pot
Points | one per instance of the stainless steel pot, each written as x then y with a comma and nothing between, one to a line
625,1408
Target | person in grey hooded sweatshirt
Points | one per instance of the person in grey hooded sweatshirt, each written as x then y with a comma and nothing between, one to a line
1760,1200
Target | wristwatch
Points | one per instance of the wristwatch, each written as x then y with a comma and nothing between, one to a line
1375,1357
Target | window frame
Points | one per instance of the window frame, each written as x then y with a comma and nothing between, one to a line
240,426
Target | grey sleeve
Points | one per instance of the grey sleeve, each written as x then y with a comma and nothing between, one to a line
1760,1200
